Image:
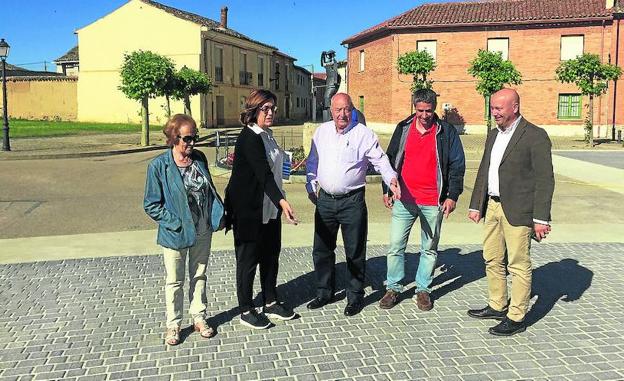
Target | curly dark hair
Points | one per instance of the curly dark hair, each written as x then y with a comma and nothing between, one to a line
254,101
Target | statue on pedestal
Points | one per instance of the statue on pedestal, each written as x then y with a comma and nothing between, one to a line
332,83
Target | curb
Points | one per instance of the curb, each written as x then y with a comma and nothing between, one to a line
77,155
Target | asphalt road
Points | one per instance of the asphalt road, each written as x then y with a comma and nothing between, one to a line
105,194
613,159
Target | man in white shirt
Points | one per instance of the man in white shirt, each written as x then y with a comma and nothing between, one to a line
513,193
336,179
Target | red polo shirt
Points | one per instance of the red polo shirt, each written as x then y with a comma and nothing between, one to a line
420,167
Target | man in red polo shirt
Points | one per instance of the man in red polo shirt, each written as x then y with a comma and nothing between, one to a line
427,155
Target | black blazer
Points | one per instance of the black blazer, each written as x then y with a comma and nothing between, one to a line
251,178
526,179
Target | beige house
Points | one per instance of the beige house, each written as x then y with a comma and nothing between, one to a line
236,63
68,63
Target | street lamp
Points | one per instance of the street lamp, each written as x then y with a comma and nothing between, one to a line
4,52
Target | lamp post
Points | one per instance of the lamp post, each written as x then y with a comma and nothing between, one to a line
4,52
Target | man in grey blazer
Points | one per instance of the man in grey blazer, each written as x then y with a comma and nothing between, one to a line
513,192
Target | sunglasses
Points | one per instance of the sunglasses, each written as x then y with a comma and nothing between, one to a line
189,138
265,109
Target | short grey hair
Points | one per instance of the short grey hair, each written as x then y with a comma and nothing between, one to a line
425,96
342,95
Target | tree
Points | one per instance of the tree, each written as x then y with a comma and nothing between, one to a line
592,77
144,75
419,65
492,73
189,82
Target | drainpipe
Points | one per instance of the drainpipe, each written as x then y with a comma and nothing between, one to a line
615,83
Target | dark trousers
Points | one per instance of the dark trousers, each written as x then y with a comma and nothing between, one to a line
263,251
350,214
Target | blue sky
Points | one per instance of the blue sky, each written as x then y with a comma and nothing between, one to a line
39,30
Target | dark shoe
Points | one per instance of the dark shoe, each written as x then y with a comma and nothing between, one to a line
508,327
318,303
353,309
279,311
389,300
255,320
488,313
423,301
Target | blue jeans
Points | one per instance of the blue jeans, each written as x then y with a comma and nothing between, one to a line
402,222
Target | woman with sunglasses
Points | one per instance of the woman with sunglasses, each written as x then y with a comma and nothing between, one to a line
254,201
180,196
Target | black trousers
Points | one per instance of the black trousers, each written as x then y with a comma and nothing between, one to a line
263,251
349,214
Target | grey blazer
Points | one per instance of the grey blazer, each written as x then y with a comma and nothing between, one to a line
525,175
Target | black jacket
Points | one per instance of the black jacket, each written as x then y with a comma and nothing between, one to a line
251,178
451,161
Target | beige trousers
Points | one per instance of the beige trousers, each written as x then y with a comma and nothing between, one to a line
515,241
175,268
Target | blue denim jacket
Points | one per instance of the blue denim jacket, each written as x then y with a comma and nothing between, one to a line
165,201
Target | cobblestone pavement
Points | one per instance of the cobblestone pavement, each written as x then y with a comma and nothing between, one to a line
102,319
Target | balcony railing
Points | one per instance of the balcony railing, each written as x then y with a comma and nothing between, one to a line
245,77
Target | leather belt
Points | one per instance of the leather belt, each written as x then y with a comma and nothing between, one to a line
494,198
344,195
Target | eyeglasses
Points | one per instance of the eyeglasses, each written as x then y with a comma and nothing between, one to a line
265,109
189,138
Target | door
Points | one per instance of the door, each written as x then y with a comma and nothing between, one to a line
220,110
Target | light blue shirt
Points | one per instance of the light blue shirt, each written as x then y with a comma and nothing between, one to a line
338,161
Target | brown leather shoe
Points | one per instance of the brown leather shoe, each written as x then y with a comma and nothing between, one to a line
423,301
389,300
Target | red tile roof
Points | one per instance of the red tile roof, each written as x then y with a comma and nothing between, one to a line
321,76
487,12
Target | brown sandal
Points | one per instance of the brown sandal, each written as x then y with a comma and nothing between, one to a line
172,336
204,329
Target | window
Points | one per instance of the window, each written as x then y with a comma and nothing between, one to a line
277,75
297,102
569,106
260,71
244,75
428,46
499,45
571,47
362,57
361,104
218,64
287,79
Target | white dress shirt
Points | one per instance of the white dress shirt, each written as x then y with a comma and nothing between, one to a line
275,157
338,161
498,150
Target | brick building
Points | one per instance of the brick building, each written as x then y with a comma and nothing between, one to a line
536,35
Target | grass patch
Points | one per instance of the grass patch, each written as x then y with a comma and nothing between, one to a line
39,129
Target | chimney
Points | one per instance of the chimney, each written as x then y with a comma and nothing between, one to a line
610,4
223,23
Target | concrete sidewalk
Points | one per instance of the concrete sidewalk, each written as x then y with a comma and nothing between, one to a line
133,243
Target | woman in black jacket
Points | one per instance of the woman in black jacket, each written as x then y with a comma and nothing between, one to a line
254,201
